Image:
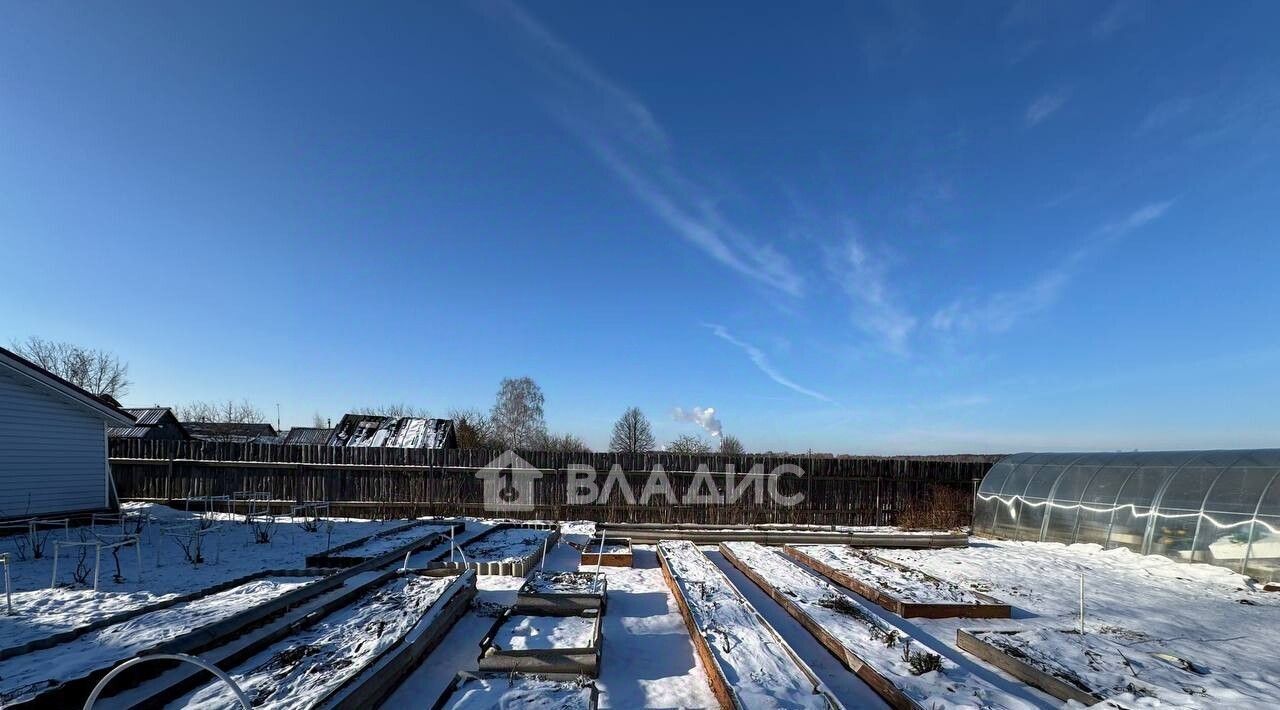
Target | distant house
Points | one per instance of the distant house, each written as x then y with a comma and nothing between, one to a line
397,432
53,443
153,424
306,435
233,432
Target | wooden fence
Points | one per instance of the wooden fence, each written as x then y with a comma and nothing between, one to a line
374,482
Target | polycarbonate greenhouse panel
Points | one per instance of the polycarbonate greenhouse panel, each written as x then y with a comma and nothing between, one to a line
1220,507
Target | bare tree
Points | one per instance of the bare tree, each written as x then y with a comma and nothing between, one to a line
632,433
472,429
517,414
97,371
689,444
318,422
564,443
731,445
242,412
394,409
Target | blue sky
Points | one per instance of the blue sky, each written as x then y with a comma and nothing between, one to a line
867,227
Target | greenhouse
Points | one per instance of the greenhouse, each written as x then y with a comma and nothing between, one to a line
1219,507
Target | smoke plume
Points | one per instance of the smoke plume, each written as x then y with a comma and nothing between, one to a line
705,418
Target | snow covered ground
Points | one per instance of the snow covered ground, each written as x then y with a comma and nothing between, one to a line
526,632
22,676
300,670
1135,606
1158,633
230,553
506,545
759,672
904,585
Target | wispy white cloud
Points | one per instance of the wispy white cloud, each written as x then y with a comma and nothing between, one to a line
761,362
1119,15
862,275
624,135
1045,106
1003,309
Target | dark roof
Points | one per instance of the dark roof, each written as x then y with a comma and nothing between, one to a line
230,431
398,432
307,435
74,392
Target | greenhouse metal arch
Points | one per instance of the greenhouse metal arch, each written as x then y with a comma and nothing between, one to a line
1219,507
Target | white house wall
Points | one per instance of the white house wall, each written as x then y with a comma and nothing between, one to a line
52,452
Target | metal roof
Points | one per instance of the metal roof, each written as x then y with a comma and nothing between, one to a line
307,435
147,416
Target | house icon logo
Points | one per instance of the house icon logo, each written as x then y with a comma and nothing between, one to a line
508,483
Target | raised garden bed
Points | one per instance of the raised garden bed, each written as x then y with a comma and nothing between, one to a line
903,590
386,545
748,664
503,691
543,643
608,552
1097,665
562,592
55,673
902,671
344,659
508,549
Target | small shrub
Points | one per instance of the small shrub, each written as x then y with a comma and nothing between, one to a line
924,662
262,527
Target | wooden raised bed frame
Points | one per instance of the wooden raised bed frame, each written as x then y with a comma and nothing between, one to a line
883,686
519,568
543,661
607,559
462,678
383,674
1022,670
333,557
569,603
720,687
990,608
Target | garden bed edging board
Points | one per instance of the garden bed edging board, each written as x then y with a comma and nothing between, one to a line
517,568
984,606
535,596
1023,671
381,677
569,660
603,556
714,662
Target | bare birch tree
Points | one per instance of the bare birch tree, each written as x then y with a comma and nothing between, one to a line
516,416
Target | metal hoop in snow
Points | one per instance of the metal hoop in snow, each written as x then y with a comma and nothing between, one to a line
97,689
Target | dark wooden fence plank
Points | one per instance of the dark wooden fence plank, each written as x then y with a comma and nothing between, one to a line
862,490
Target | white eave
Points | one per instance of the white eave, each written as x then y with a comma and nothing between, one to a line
75,394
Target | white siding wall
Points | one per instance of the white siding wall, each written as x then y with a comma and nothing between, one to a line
53,454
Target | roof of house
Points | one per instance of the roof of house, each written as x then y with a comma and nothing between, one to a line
148,418
399,432
307,435
230,431
32,372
